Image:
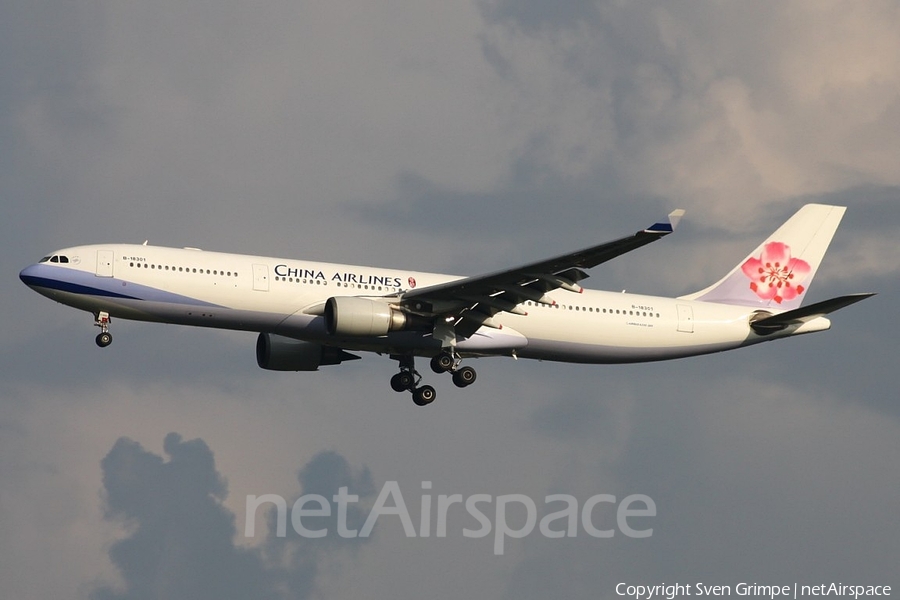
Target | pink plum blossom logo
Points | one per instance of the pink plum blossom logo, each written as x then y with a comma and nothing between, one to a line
412,282
775,275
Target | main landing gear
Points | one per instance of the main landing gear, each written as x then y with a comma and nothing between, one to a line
408,379
104,338
447,361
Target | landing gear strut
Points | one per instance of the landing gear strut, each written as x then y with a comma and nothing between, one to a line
408,379
104,338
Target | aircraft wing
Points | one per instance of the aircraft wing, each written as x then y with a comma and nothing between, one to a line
473,301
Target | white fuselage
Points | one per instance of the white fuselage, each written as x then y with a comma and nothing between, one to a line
285,297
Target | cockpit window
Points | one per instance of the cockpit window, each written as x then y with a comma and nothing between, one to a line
54,259
63,259
45,259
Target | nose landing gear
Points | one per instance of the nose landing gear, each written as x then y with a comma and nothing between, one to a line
104,338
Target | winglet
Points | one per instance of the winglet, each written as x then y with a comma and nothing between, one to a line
669,225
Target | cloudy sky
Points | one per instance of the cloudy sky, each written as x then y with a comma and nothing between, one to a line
456,137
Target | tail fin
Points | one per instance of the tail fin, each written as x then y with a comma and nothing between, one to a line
778,273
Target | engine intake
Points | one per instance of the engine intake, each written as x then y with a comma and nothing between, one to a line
279,353
348,315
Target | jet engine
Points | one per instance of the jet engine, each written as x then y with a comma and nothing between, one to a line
348,315
279,353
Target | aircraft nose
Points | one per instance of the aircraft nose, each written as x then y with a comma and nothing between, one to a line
28,275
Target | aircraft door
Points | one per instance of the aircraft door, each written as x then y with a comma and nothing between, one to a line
261,278
685,318
104,263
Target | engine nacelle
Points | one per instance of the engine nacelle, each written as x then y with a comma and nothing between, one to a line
279,353
347,315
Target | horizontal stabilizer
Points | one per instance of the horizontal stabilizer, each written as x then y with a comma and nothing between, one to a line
780,321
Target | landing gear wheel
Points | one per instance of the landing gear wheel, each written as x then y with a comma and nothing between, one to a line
403,381
103,339
464,377
442,363
423,395
396,384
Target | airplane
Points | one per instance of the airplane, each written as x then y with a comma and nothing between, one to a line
312,314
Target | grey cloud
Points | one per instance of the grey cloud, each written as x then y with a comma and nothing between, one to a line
181,545
584,410
535,15
751,480
539,198
687,103
181,541
302,558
